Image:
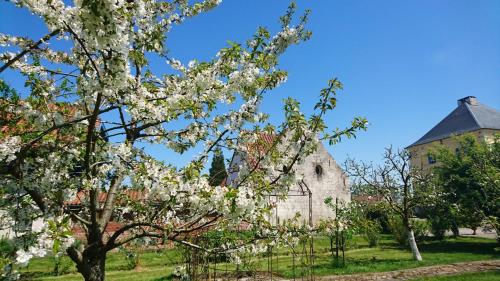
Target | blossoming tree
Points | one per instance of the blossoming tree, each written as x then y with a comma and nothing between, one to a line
91,107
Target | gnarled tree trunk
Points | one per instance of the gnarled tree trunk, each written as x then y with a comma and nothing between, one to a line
90,262
92,267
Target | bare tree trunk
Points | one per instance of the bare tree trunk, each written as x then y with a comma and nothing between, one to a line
413,246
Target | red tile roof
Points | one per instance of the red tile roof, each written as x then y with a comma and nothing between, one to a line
133,195
260,148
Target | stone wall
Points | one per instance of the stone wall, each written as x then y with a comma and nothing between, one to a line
325,178
420,152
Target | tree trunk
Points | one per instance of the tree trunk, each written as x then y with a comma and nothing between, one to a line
96,272
92,268
454,229
413,246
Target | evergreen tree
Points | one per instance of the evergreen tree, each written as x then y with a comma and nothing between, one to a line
217,169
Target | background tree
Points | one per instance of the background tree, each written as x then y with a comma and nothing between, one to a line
469,178
401,187
217,171
101,75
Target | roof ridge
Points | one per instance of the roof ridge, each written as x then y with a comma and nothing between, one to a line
422,138
472,114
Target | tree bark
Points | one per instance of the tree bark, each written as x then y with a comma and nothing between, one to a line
454,229
91,265
413,246
92,268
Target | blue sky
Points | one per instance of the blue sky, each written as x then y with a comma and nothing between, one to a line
403,63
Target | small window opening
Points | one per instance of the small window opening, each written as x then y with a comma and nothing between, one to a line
431,159
318,170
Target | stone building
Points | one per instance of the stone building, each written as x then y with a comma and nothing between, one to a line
470,116
322,178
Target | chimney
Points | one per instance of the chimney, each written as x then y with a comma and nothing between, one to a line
470,100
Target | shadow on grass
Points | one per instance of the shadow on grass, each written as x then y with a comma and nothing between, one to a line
453,246
165,278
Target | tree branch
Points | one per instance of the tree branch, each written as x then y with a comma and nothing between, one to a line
29,49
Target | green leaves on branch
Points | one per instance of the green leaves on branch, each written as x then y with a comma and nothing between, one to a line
328,101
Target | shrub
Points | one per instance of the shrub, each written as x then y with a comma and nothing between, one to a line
61,266
398,230
371,232
7,248
420,229
7,251
439,225
131,257
379,213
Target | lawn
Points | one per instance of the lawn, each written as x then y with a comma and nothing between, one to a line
157,265
479,276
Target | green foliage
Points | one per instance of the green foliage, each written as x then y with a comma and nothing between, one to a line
420,229
371,230
400,233
61,266
469,178
218,169
378,212
7,247
341,229
328,101
439,225
440,214
7,252
398,230
7,92
131,257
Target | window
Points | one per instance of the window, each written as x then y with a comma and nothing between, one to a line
431,159
319,170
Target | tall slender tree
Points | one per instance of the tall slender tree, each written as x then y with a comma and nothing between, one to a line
217,171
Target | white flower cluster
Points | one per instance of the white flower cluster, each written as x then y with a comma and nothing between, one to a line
200,105
54,12
181,272
46,237
283,39
9,146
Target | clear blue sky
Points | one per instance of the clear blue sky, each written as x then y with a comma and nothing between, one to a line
403,63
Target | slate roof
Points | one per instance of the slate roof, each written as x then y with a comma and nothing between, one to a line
470,115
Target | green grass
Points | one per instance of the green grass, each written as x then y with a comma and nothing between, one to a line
156,266
479,276
388,256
